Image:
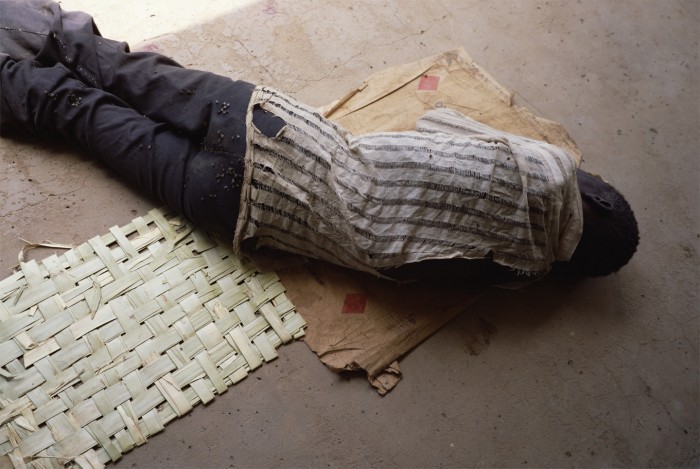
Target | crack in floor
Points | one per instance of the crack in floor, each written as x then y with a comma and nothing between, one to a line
48,197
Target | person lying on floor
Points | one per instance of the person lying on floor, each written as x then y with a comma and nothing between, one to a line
266,170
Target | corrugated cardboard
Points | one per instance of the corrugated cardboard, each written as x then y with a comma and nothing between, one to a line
359,322
395,98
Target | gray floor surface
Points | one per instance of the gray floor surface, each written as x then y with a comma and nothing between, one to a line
596,373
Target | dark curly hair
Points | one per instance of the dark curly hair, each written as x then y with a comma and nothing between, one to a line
610,233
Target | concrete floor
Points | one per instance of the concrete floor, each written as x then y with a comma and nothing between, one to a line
597,373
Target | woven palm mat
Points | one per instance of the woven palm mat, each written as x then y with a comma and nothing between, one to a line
104,345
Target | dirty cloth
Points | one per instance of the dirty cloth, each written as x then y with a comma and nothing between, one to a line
451,190
176,134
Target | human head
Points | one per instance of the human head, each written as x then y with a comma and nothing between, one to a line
610,233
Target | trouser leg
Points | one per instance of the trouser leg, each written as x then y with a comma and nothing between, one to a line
50,102
24,25
206,107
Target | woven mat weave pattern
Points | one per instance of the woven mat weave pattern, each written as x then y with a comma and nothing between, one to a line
103,346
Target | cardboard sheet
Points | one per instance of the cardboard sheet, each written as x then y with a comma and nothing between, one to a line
395,98
356,321
359,322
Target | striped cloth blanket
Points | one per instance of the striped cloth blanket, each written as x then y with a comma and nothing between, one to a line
453,188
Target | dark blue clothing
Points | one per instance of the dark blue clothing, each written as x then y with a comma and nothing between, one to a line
177,134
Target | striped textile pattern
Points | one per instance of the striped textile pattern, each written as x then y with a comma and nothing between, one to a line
381,200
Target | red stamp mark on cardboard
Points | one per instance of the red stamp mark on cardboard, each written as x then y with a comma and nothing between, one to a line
354,303
428,82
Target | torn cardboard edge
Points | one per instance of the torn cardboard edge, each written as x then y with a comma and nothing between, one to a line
394,99
360,322
356,321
